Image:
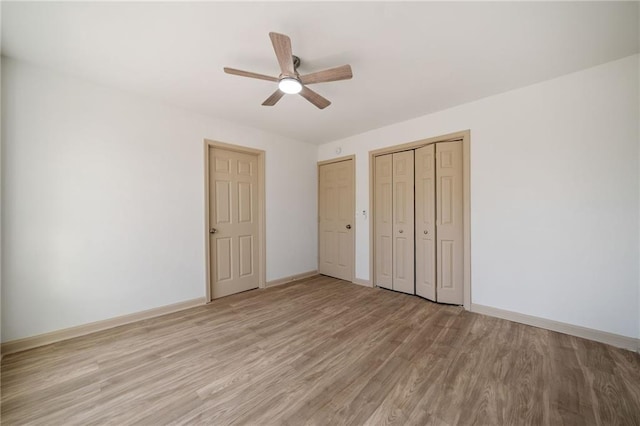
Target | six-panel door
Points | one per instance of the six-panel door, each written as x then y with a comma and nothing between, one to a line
233,218
336,226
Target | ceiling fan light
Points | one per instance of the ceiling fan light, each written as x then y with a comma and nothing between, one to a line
290,85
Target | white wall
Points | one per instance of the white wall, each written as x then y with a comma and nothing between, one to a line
554,195
103,198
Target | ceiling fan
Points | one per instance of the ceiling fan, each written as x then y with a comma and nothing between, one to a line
289,81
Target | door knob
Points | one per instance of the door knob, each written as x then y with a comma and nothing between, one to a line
426,232
401,231
213,230
348,226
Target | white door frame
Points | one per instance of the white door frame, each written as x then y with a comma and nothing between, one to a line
353,191
208,144
465,137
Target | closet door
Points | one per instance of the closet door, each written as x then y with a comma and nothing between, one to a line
449,226
383,226
425,222
403,225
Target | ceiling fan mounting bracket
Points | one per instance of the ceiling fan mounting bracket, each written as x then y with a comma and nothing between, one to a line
296,62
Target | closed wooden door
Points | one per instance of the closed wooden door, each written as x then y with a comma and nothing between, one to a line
336,205
383,226
449,223
425,222
403,222
233,221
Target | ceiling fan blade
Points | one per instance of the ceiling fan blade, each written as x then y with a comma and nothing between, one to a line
282,47
274,98
314,98
333,74
249,74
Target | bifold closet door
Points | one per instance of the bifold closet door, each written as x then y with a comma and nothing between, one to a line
383,226
425,222
394,227
403,222
449,223
419,245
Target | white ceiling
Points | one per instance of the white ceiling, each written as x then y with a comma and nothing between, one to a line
408,59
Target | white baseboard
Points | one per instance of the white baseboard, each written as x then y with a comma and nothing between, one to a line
291,278
365,283
81,330
561,327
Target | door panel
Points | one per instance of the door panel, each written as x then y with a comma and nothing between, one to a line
223,203
449,223
223,259
344,255
336,222
403,222
400,256
383,221
245,210
233,182
246,255
425,222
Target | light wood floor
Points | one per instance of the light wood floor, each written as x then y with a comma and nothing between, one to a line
323,351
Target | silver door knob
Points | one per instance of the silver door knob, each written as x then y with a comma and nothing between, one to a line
401,231
213,230
348,226
426,232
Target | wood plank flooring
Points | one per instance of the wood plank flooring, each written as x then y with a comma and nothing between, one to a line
322,351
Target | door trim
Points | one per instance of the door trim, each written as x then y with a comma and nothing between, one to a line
465,137
353,191
261,210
